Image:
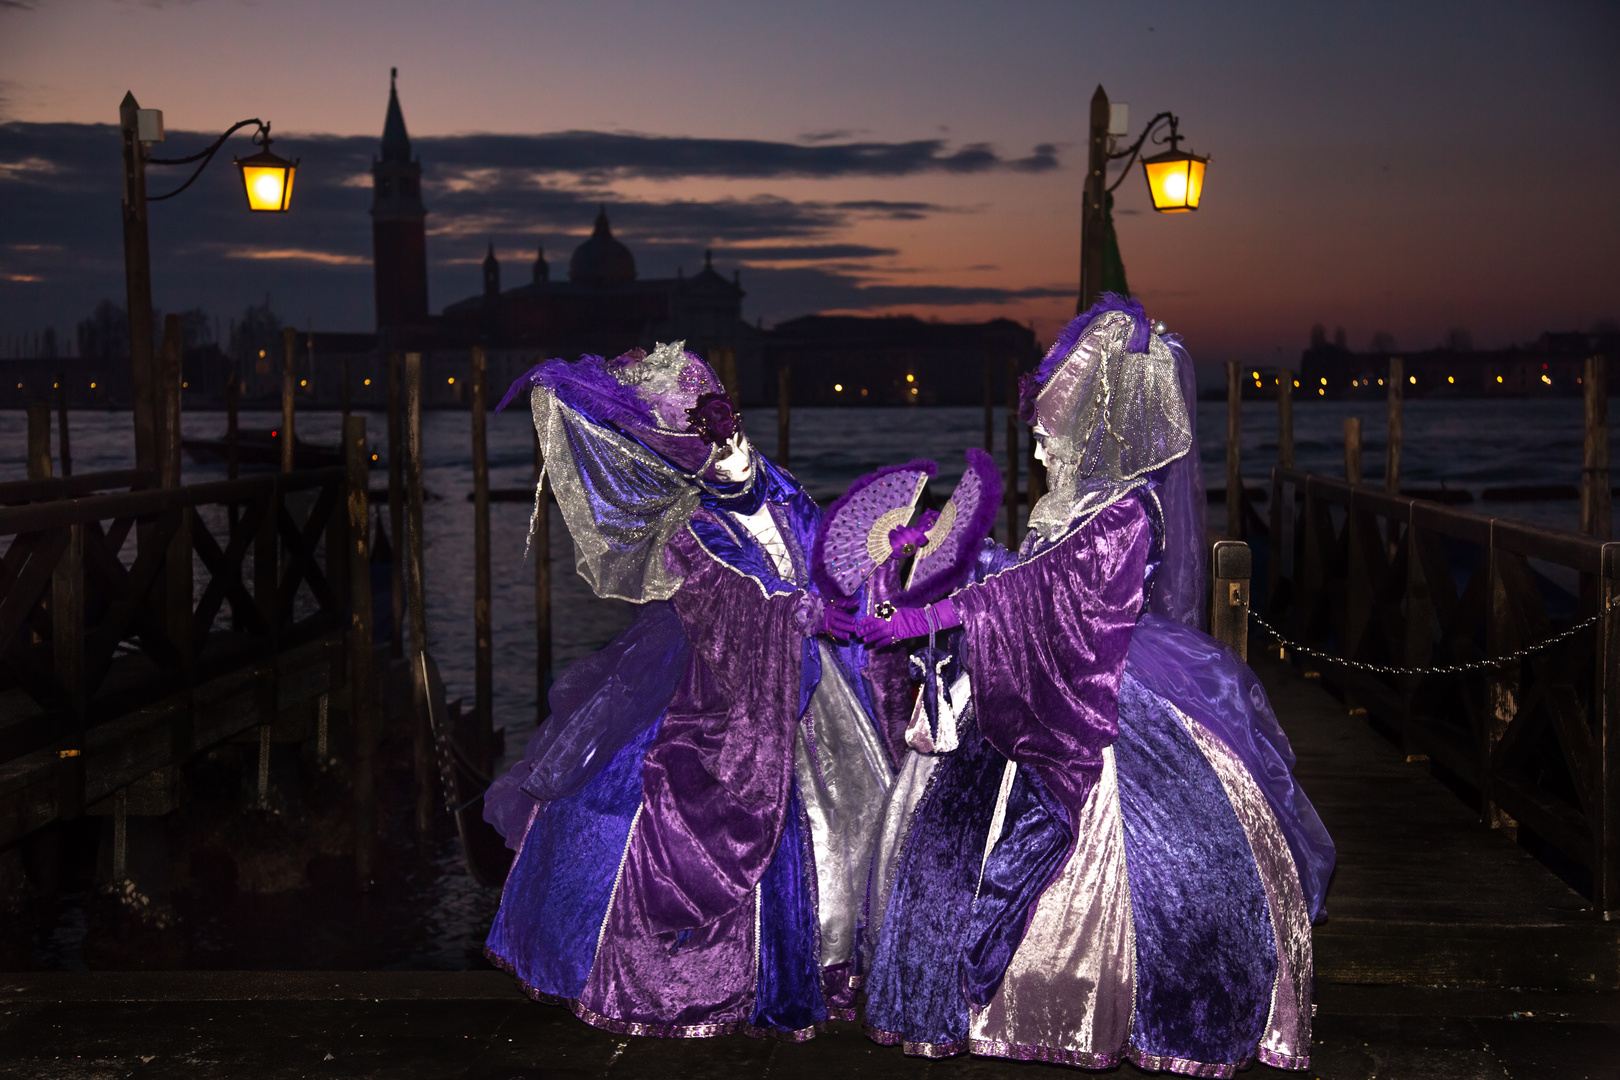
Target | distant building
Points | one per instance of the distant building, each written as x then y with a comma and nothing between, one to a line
1551,366
897,360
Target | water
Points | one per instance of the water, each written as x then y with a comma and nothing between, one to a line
1463,444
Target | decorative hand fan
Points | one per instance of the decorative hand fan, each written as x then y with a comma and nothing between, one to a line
955,537
853,541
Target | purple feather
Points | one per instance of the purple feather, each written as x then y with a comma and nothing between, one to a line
1070,334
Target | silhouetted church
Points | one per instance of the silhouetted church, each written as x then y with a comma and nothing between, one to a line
602,307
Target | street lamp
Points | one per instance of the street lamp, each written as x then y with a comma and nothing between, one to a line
267,182
1175,182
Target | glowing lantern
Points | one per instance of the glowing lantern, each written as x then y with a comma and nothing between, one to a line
1175,180
267,178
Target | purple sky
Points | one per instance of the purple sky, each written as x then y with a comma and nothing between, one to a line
1401,167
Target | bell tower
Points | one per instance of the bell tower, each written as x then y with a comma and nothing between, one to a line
398,228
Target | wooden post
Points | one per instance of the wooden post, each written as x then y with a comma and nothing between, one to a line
989,407
138,283
166,398
784,411
64,447
1234,452
1285,418
421,748
1352,449
483,629
396,503
1392,458
1093,218
68,667
1597,507
39,441
289,383
1607,707
233,439
1011,494
725,367
1503,685
361,715
1233,563
542,589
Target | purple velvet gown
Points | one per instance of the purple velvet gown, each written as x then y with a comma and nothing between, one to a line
1103,853
694,824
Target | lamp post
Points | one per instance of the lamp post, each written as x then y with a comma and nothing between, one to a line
1175,182
267,181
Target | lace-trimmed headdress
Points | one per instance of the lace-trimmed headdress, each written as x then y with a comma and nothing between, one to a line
1111,400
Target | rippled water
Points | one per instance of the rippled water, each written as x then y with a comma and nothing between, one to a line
1466,444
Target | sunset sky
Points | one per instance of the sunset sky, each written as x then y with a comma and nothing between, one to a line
1407,167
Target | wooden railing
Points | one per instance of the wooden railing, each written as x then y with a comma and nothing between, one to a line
139,627
1388,580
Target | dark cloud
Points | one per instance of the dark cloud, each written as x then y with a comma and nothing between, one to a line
61,245
662,157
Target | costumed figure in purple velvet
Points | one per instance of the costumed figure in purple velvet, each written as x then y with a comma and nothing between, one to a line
1096,849
694,823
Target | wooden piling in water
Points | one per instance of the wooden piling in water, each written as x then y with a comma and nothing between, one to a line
396,503
483,629
542,588
1011,495
1397,395
362,722
1597,494
177,564
421,748
64,448
1234,452
233,438
989,407
39,441
1285,418
784,412
1352,449
289,381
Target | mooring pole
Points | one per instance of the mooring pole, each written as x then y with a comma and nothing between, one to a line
1093,216
1397,397
39,441
784,411
138,282
1012,454
64,448
289,381
1234,452
1597,507
1285,418
421,748
396,504
166,396
483,628
362,722
989,406
1352,449
542,588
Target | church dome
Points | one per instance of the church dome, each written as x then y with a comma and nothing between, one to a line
602,260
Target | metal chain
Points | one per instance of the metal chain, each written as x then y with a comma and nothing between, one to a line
1490,664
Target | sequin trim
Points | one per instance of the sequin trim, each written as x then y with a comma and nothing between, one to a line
1282,1061
1022,1052
1184,1066
653,1031
916,1049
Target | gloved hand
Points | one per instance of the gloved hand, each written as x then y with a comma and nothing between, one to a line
907,622
836,622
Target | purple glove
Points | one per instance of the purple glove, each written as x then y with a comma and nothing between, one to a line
836,622
907,622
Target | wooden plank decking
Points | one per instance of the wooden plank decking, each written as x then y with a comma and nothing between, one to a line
1424,894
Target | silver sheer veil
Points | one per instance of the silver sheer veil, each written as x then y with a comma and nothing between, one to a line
1110,417
621,502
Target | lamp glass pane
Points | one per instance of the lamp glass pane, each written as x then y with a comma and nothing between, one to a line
1167,183
292,171
1195,183
266,187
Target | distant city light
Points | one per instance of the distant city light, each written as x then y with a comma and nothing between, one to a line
368,383
1319,390
863,391
1324,381
92,385
913,389
452,380
838,387
1412,379
1499,378
1380,382
911,378
1547,379
1451,378
1296,382
305,382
